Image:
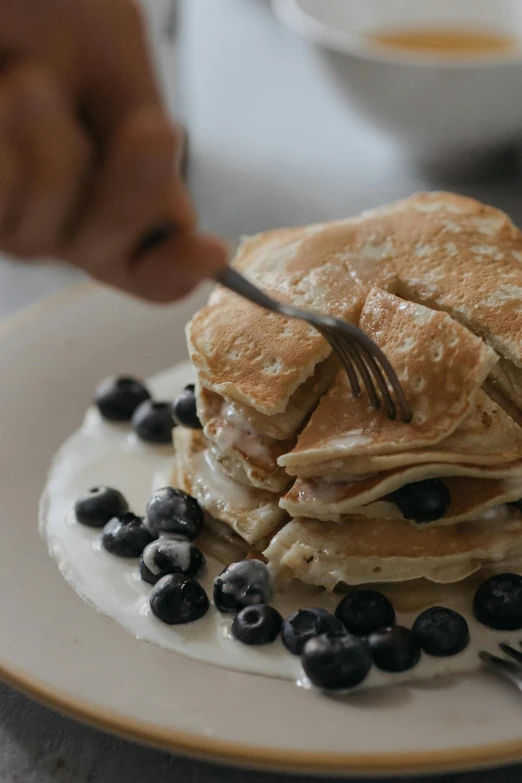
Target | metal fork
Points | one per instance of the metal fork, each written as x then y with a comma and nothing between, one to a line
359,355
510,670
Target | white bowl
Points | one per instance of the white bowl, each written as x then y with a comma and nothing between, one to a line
440,108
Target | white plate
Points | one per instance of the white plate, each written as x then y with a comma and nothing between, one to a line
57,649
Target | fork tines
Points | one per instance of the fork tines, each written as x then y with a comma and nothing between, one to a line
497,661
508,650
362,358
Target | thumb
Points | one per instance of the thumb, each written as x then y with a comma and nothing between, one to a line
175,268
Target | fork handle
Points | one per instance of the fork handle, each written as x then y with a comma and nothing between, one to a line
235,282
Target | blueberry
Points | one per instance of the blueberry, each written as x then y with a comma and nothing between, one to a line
242,584
152,422
178,599
257,624
173,511
394,649
167,556
365,611
305,624
99,506
423,501
184,409
126,536
498,602
441,632
335,661
118,398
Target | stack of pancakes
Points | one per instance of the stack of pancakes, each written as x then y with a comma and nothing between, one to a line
327,487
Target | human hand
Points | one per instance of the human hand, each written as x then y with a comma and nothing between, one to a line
89,159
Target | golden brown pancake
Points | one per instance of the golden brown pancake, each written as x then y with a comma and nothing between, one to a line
249,355
279,426
450,253
247,443
488,436
446,251
359,551
436,281
473,491
441,366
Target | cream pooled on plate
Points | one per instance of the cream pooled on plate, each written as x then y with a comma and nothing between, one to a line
99,452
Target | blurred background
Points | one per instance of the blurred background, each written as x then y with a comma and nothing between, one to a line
310,110
297,115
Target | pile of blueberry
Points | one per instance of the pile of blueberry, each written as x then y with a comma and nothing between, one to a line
163,540
125,399
341,657
244,590
337,650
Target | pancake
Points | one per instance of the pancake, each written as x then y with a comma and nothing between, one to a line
450,253
247,475
436,281
360,551
252,513
243,439
255,455
441,366
480,252
279,426
254,357
488,436
369,496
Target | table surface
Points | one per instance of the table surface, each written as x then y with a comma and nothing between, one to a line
269,133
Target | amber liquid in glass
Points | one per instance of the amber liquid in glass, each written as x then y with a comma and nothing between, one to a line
445,41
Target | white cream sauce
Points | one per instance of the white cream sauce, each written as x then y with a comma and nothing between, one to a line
236,432
101,453
326,490
212,485
180,551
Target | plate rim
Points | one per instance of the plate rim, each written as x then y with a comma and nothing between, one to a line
211,749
